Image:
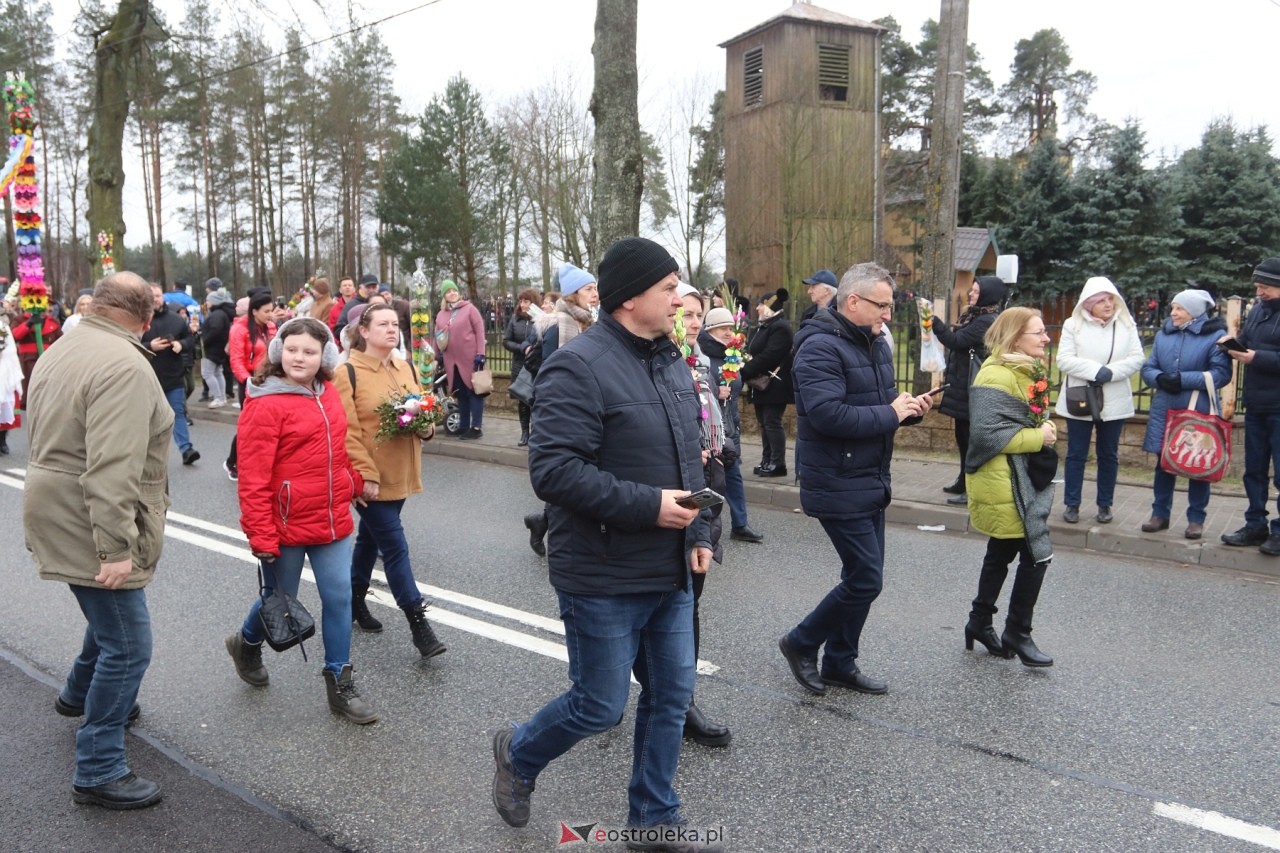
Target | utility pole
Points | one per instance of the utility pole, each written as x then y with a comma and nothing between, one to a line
942,189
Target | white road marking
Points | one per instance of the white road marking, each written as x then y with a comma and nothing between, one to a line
1263,836
478,627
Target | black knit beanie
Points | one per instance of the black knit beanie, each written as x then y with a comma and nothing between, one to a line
1268,272
630,267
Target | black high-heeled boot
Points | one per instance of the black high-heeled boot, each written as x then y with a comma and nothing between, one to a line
986,635
1022,603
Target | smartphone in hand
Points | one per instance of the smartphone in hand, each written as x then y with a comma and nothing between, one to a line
937,390
700,499
1232,345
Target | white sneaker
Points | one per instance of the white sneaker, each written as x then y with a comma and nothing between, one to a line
217,404
236,404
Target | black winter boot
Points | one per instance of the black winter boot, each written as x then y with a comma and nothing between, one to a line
360,610
1017,625
345,699
423,637
4,442
248,659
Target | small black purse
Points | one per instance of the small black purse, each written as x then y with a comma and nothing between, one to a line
285,622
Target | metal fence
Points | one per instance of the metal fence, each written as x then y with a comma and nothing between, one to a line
906,359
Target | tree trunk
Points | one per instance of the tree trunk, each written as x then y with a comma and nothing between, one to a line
617,163
114,54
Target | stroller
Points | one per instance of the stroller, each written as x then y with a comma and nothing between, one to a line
452,418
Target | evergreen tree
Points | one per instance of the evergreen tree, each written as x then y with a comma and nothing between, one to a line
1127,218
1229,192
438,194
1039,228
1041,82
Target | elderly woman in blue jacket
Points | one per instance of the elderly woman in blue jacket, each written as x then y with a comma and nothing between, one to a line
1185,350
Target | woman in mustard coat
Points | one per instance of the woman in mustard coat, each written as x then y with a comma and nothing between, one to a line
1009,471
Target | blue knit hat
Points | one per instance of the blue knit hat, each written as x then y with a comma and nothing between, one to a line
572,279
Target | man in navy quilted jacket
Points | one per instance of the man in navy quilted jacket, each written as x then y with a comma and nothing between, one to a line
847,413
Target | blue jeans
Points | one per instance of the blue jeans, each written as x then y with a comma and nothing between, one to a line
1197,496
1261,452
607,637
1079,434
380,530
839,617
331,565
735,494
105,678
470,406
177,398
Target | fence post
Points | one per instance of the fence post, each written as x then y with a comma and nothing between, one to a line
1234,311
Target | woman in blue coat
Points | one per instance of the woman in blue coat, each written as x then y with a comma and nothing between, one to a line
1184,350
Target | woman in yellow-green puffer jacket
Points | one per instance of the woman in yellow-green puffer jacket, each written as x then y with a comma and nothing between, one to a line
1009,471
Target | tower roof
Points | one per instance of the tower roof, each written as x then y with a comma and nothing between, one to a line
809,13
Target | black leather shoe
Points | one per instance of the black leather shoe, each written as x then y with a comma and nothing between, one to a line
1246,537
190,456
804,669
1104,515
856,680
959,500
537,524
956,488
699,729
1071,515
774,471
745,534
1272,546
127,792
67,710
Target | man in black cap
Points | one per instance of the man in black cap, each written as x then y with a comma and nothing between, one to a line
614,445
1261,358
821,289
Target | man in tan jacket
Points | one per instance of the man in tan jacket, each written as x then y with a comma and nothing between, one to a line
93,516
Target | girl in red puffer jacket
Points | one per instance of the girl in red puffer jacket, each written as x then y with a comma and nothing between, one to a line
295,499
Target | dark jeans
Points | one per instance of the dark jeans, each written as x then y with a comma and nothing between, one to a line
607,638
1079,434
1197,496
735,493
380,530
105,678
470,405
839,617
772,436
1261,452
233,455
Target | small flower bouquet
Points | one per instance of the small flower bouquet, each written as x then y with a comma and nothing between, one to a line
407,414
1038,394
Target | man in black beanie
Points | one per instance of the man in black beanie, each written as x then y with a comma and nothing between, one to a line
614,444
1261,359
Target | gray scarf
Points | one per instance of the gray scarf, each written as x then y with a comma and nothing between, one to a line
994,418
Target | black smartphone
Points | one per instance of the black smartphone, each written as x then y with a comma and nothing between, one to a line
700,499
937,390
1232,345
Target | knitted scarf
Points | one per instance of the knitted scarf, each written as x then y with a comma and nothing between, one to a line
572,320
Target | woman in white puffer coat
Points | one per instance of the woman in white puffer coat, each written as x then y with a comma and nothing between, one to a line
1099,345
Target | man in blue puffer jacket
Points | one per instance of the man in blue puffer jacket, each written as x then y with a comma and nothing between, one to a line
847,412
614,444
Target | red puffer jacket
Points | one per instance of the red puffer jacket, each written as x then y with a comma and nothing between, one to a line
244,355
296,482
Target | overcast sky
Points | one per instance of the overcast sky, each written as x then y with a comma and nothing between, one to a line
1160,63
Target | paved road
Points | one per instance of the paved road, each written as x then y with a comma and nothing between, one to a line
1165,699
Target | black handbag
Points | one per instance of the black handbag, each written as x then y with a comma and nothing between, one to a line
521,386
1085,401
285,622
